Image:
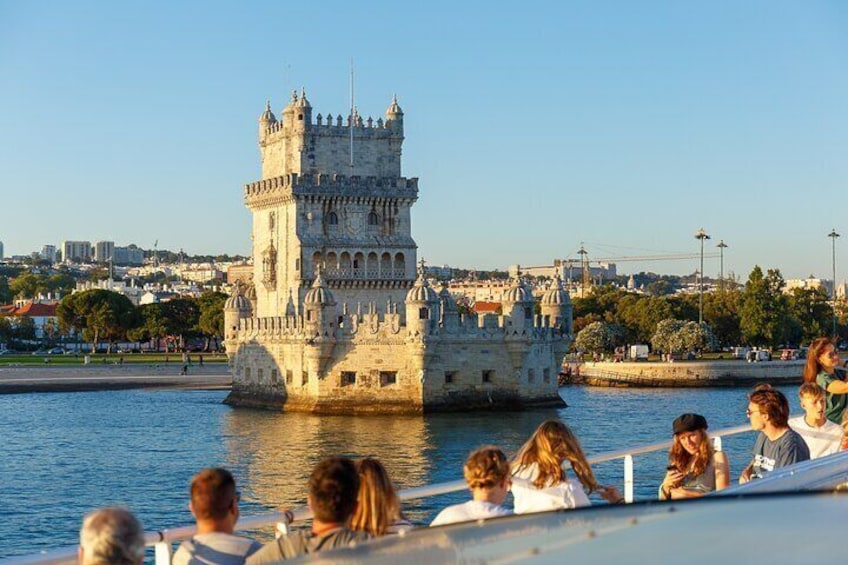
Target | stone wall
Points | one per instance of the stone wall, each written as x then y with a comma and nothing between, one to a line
689,374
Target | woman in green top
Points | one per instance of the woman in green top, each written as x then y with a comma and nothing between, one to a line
822,360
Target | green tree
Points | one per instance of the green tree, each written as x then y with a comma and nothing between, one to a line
5,292
24,329
764,311
6,332
813,312
181,317
99,315
696,337
27,285
211,317
151,325
641,314
721,312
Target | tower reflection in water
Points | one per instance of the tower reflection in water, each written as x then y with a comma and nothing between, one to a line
276,451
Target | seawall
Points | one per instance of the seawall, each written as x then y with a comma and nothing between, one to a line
688,373
78,378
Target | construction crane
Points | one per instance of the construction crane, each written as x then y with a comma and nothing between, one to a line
586,278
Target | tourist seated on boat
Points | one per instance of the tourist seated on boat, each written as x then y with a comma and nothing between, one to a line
695,468
822,436
487,473
540,482
333,488
821,368
111,536
378,506
778,445
215,505
844,431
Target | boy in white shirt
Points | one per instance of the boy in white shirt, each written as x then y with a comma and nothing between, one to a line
487,474
822,436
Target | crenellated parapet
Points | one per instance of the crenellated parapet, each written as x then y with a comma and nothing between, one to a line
350,188
339,126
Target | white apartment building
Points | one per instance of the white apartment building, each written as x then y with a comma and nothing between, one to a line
76,251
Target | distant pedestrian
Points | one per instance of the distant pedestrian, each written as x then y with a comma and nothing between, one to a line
184,370
200,360
121,360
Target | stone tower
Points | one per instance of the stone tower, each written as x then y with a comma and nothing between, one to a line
321,205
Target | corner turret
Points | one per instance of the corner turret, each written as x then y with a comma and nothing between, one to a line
517,305
235,308
422,304
394,116
556,307
266,120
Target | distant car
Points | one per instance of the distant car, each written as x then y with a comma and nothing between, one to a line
40,352
56,351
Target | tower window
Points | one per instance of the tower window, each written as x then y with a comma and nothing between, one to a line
450,377
388,378
423,313
300,117
348,378
332,219
373,219
488,376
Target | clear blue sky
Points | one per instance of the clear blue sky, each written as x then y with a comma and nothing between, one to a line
533,126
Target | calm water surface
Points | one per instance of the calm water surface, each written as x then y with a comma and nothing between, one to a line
64,454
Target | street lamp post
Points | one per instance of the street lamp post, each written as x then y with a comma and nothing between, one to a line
721,247
833,235
701,235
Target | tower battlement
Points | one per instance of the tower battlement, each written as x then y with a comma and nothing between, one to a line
330,145
331,184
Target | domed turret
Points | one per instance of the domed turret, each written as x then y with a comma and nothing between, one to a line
237,302
394,115
422,303
556,307
268,116
301,115
319,294
517,304
236,307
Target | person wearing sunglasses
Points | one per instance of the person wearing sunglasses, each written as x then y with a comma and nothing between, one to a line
214,503
778,445
821,368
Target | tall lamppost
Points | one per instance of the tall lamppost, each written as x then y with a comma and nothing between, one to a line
701,235
721,247
833,235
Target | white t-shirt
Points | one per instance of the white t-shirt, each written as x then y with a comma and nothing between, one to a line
528,498
471,510
822,441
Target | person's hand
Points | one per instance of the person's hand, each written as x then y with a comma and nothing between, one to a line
673,479
610,494
745,476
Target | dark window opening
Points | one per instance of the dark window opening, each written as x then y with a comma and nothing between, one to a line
423,313
488,376
450,377
348,378
388,378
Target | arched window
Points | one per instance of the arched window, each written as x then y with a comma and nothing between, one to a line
373,219
386,265
332,219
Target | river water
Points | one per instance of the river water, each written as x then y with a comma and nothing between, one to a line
63,454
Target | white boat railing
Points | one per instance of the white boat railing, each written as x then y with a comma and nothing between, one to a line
162,541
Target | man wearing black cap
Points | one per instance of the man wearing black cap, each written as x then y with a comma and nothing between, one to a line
778,445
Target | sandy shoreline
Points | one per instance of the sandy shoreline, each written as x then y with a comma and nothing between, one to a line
64,378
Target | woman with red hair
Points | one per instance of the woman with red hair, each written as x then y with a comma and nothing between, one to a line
822,361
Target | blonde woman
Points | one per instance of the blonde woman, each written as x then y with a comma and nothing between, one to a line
540,483
694,467
378,506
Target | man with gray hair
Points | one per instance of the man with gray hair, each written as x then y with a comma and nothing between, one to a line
111,536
